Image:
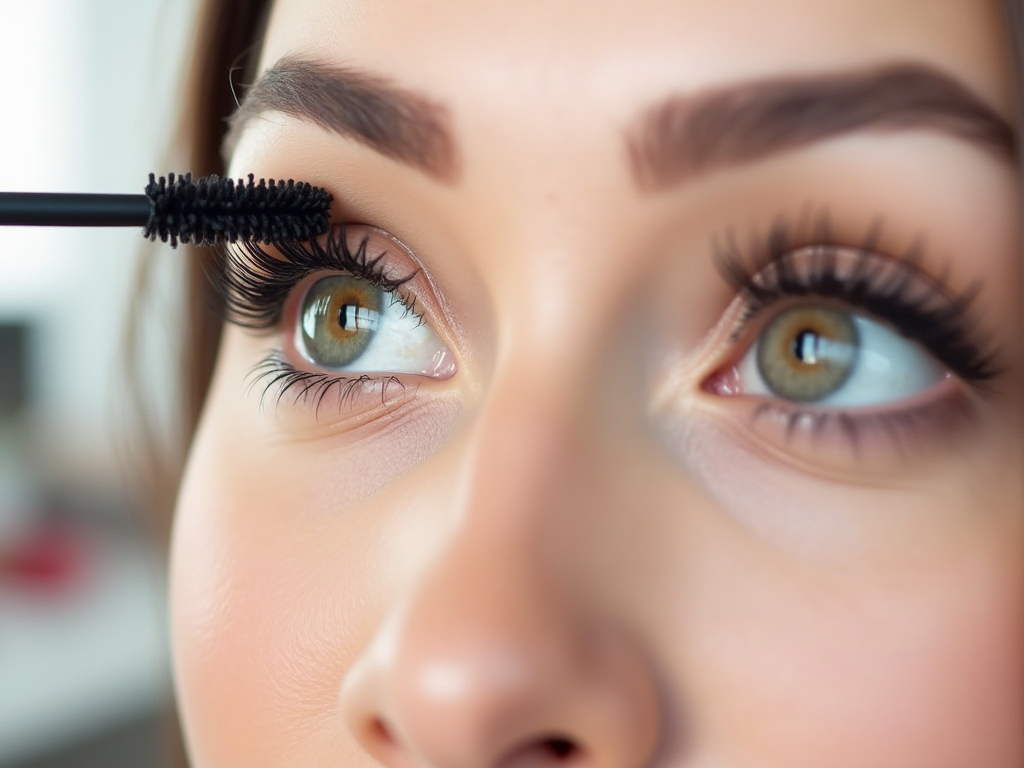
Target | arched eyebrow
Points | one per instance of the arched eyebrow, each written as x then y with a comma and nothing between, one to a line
686,135
396,122
676,139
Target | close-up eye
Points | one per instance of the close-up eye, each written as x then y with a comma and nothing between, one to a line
353,302
853,343
346,323
829,356
831,327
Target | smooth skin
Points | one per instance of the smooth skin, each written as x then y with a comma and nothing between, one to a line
571,551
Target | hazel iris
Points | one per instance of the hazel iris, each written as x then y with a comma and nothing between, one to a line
807,353
339,317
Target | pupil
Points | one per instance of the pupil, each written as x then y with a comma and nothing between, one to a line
805,347
347,316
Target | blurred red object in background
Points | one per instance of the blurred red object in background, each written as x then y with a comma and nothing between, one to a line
52,557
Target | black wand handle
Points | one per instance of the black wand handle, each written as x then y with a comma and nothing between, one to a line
43,209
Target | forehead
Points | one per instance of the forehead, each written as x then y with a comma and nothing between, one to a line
612,55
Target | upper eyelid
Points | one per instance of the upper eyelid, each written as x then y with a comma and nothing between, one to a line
254,282
919,305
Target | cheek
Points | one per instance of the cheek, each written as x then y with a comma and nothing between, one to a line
888,632
915,663
262,613
281,551
922,670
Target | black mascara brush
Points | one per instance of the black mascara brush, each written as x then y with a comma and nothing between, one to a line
205,211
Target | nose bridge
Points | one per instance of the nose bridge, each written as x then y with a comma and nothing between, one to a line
508,480
522,450
490,655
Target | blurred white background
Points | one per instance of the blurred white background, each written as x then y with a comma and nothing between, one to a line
87,95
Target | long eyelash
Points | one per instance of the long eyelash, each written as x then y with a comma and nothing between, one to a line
919,306
312,387
254,285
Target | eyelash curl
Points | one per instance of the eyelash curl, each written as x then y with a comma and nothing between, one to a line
253,287
921,307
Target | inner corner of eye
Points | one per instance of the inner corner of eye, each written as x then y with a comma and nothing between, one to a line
723,382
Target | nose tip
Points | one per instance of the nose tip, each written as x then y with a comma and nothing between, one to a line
506,651
490,687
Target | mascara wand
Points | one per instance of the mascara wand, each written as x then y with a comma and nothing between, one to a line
207,211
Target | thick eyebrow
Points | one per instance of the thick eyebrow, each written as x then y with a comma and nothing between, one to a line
396,122
686,135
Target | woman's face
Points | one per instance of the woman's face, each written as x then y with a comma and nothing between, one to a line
695,436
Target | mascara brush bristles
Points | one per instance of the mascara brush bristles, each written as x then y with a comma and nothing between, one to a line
204,211
213,210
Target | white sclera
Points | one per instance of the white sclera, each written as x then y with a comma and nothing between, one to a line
888,368
403,343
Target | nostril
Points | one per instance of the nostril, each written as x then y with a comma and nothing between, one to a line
562,749
543,753
384,747
380,734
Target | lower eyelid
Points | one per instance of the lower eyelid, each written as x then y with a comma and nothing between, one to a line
870,441
276,382
347,408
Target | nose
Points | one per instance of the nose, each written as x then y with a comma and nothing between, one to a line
492,660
